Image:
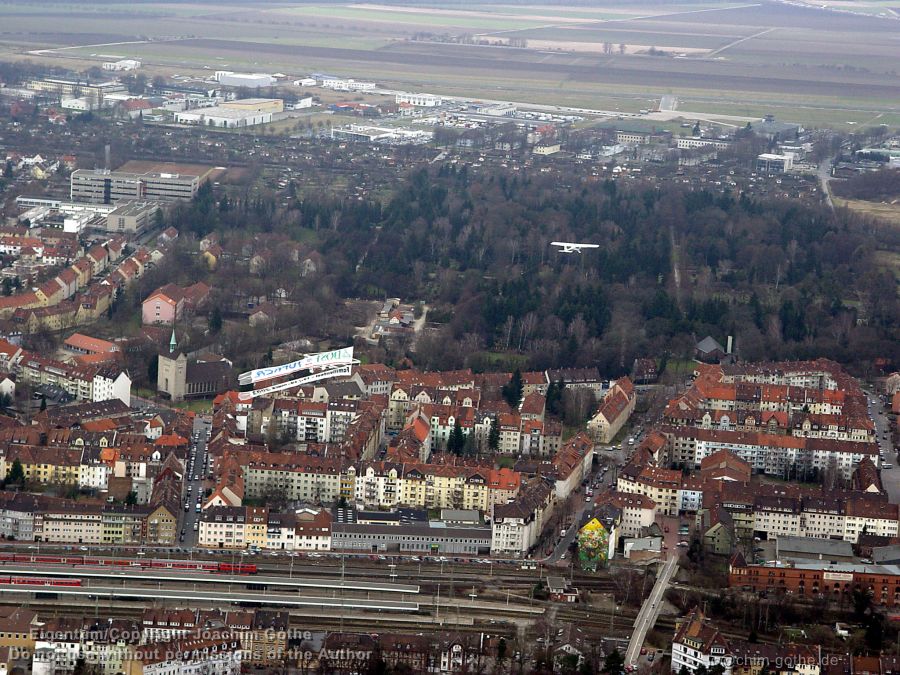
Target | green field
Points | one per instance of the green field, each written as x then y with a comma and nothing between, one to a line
812,66
431,19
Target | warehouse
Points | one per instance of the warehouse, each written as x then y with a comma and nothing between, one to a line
260,105
428,538
225,118
252,80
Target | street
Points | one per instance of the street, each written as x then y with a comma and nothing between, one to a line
890,474
194,480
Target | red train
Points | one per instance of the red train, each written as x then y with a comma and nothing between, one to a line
38,581
140,563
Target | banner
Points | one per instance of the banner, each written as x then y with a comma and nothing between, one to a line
336,357
299,382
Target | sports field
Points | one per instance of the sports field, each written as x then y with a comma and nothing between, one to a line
835,66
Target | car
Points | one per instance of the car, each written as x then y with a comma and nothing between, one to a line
643,651
666,529
682,544
651,657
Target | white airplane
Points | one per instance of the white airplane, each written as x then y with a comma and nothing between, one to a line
569,247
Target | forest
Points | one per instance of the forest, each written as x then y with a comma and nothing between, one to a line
787,280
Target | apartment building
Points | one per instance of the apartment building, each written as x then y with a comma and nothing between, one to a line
697,644
223,527
297,477
516,526
209,653
616,407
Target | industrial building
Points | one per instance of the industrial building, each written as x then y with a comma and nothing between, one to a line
259,105
770,163
225,118
100,186
252,80
424,538
369,134
347,85
124,64
419,100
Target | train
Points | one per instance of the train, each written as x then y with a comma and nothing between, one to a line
37,581
139,563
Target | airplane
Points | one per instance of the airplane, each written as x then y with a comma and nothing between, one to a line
569,247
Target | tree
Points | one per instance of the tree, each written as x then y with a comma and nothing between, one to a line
501,654
16,475
457,440
512,390
131,498
494,435
215,320
614,663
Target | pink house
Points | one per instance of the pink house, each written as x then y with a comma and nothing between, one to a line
164,305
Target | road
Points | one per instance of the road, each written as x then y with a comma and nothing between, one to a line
890,477
194,480
646,618
824,174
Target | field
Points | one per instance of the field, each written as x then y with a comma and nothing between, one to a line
888,213
806,64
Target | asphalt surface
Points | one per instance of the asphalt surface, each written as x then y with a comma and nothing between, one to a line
890,477
646,618
194,485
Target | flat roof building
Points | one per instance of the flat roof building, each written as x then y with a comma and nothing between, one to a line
131,217
770,163
100,186
272,105
225,118
809,548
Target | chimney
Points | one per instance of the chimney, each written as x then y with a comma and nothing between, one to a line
730,342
